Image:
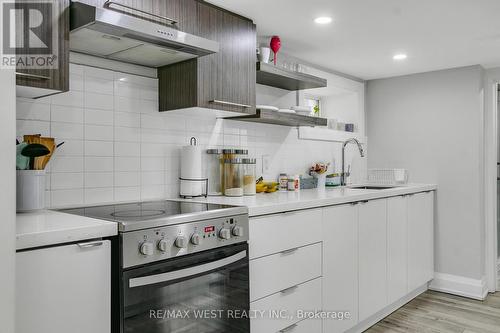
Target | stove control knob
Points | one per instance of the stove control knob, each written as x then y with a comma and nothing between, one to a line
181,242
238,231
225,233
147,248
162,245
196,239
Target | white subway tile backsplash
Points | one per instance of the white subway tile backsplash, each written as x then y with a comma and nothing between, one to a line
119,147
127,149
32,127
76,82
33,111
66,130
66,114
98,179
152,164
70,98
98,117
150,178
127,179
127,163
98,148
127,119
93,72
69,180
127,193
99,195
97,132
70,148
126,104
66,197
98,101
152,192
127,134
99,85
98,164
127,89
66,163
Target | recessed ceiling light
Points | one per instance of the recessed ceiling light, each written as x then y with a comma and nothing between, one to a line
400,56
323,20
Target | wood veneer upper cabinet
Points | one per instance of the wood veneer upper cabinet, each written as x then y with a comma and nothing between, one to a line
41,82
224,80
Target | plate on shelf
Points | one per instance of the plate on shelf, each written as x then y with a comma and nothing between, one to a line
286,111
266,107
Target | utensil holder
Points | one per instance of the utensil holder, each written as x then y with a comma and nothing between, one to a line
30,190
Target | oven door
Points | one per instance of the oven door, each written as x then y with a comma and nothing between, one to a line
203,292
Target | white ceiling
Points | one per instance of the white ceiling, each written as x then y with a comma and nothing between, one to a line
365,34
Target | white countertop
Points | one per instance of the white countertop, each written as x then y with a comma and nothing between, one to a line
278,202
45,227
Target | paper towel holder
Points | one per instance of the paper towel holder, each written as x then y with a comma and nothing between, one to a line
205,180
194,142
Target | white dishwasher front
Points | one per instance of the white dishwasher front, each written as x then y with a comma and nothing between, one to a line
64,289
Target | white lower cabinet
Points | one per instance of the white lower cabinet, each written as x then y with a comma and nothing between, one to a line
64,289
283,270
340,265
420,239
368,256
372,257
397,248
281,310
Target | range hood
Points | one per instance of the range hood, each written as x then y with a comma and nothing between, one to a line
115,34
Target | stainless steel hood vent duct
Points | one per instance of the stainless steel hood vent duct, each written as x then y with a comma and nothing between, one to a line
115,34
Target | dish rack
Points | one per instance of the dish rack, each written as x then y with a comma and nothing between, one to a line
388,176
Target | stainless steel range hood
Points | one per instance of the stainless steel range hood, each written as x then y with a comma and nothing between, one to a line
124,36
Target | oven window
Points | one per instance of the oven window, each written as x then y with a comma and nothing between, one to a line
214,301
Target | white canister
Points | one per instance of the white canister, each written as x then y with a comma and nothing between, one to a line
264,54
30,190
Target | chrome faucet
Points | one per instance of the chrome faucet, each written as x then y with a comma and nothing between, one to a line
343,175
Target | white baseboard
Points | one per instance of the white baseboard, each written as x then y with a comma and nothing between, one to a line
372,320
459,285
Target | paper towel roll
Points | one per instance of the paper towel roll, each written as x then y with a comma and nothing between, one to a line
191,168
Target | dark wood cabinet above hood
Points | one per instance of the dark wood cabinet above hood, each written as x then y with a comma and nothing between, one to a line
221,81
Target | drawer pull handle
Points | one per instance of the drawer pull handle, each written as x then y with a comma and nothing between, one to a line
286,252
33,76
216,101
89,245
288,329
288,290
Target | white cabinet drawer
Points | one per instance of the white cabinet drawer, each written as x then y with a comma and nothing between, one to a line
305,296
274,273
275,233
305,326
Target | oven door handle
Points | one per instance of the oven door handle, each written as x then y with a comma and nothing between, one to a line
183,273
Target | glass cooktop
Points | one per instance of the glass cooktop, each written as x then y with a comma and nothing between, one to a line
144,215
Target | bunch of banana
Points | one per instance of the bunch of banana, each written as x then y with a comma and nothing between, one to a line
268,187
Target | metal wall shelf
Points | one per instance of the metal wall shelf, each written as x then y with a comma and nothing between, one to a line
281,118
277,77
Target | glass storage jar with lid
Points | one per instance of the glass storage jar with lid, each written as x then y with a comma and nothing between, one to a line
233,177
229,154
249,165
214,171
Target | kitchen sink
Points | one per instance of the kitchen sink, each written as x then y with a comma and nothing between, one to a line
371,187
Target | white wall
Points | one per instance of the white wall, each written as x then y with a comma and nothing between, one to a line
432,124
118,147
7,204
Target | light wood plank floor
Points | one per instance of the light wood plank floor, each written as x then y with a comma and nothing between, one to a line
434,312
